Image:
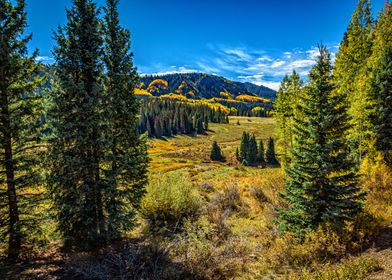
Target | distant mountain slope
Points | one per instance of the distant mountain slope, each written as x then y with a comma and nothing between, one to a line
261,91
199,85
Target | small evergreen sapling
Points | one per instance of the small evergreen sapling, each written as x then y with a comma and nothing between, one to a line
216,152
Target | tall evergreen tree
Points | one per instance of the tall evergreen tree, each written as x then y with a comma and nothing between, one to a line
20,111
78,120
270,153
260,156
351,74
322,185
127,152
377,82
287,96
381,87
244,147
252,151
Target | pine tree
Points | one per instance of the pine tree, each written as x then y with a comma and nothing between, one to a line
288,94
199,126
381,89
260,156
377,83
205,123
216,152
270,153
351,75
252,151
19,128
78,120
322,184
237,154
127,153
243,156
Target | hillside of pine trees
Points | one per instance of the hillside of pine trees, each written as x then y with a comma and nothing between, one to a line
108,175
200,85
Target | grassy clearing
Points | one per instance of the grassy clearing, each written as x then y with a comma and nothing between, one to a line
183,151
210,220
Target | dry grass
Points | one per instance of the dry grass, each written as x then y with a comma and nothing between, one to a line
232,233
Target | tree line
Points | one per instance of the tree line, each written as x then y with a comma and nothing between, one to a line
328,127
169,117
250,153
93,161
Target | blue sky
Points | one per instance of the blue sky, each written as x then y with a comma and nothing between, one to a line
245,40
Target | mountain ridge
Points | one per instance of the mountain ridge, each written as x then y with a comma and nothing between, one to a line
201,86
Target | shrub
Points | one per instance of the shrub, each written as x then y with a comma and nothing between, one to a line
259,195
328,242
229,199
351,269
170,200
203,254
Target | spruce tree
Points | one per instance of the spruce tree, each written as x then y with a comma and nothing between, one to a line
378,82
288,94
252,151
270,153
381,89
78,122
351,75
260,155
322,184
19,128
244,148
127,153
216,152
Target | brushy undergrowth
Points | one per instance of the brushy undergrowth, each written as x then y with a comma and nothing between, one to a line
171,199
350,269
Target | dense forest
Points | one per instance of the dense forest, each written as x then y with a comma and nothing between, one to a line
86,194
167,118
200,85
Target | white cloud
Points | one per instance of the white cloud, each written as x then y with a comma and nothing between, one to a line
44,59
175,70
272,85
207,68
264,58
239,53
313,53
277,64
248,65
301,63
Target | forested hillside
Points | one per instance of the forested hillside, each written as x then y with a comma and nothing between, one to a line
199,85
108,175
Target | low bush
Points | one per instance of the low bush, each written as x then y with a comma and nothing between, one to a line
170,200
229,199
202,253
326,243
351,269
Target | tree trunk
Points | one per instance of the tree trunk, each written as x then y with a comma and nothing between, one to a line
14,239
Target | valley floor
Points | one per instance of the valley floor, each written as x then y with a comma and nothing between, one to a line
190,157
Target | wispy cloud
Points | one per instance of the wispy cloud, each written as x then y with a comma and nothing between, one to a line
159,69
248,65
45,59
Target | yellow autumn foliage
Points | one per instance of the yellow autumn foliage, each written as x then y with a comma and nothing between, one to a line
174,96
250,98
225,94
142,92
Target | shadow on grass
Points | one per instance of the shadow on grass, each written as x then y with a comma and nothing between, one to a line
384,239
131,259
